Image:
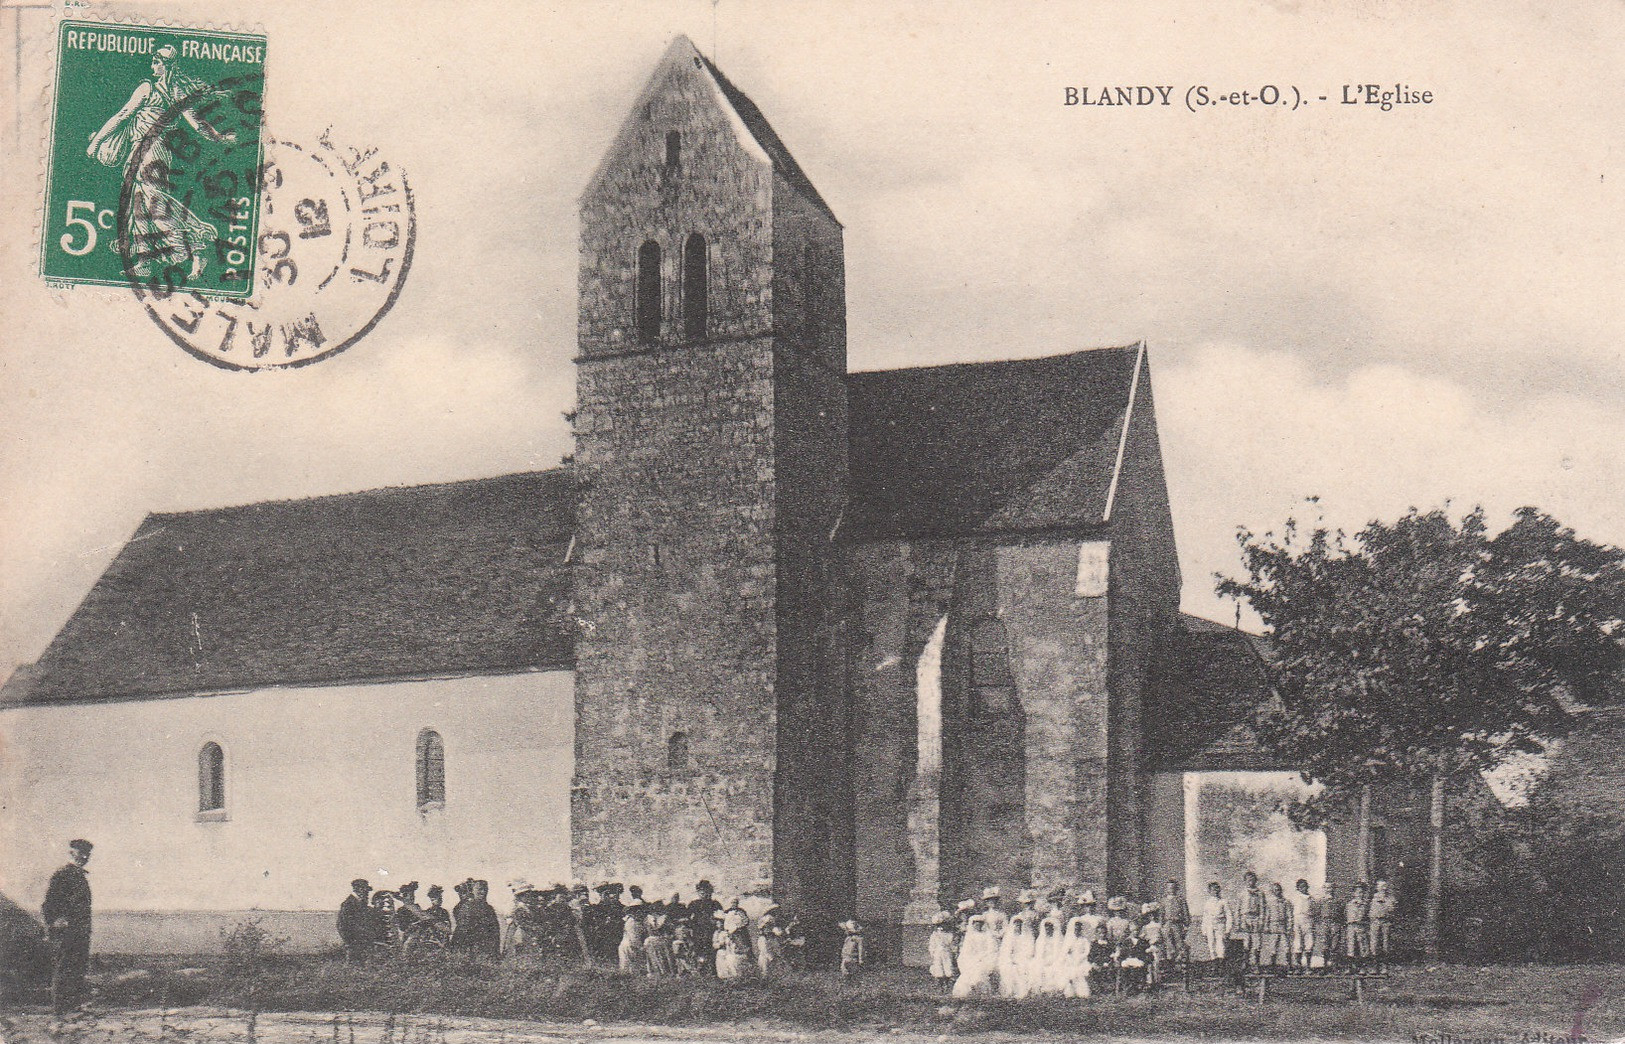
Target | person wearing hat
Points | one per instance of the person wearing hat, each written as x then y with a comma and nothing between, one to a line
769,940
1118,925
67,927
733,942
852,949
702,919
604,924
658,955
941,949
978,957
356,929
1077,946
1089,914
1275,950
1252,918
634,932
481,928
527,923
434,930
580,904
993,909
1383,906
1018,949
1176,920
1303,926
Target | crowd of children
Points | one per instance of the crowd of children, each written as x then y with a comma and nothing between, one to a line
1069,944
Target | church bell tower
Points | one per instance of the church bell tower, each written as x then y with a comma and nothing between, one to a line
711,443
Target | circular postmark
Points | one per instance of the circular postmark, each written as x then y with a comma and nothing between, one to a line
326,256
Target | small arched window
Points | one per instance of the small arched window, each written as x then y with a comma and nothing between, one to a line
674,148
211,778
696,287
431,772
677,752
648,294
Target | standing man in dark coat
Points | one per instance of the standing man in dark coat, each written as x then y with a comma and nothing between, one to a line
67,922
357,930
702,918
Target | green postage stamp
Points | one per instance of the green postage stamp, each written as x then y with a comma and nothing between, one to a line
155,160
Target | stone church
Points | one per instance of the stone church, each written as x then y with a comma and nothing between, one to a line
861,641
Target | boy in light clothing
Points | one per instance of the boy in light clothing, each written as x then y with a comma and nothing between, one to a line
1356,918
1381,913
1303,926
1215,921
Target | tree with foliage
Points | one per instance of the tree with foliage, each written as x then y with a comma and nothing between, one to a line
1424,650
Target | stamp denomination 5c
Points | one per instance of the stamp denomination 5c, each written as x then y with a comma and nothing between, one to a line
155,159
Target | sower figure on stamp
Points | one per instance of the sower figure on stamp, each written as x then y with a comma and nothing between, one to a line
67,920
157,225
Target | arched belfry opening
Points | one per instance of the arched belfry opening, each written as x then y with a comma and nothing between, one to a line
696,287
648,292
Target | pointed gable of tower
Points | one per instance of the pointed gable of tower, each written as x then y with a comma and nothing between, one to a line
683,66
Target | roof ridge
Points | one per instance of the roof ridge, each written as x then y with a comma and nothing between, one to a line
759,127
356,493
991,363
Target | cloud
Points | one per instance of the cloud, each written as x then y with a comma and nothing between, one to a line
1248,433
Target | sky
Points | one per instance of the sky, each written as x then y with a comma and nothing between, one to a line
1381,309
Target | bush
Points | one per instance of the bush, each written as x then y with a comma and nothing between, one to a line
247,945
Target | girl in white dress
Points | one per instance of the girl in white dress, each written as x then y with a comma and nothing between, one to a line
1075,956
976,959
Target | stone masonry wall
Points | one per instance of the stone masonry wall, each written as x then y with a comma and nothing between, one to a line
1144,591
813,791
713,472
675,572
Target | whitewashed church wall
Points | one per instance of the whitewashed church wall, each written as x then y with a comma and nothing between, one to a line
320,788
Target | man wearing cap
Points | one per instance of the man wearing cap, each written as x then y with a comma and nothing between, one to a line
604,924
357,929
67,922
702,921
1176,921
1252,918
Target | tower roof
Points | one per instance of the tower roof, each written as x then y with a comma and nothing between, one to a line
751,127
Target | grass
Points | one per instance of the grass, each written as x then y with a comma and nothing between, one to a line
1510,1003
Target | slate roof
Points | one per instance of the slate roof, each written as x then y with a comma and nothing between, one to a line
985,447
465,577
1203,682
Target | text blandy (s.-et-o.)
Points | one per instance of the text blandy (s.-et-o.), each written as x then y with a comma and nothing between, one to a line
1196,97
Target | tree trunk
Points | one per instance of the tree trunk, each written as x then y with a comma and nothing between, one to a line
1364,856
1435,907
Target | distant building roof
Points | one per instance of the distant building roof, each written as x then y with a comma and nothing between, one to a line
1587,769
465,577
985,447
1204,682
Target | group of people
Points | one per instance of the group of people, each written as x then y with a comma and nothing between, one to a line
1061,941
612,925
1303,933
382,921
1068,943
